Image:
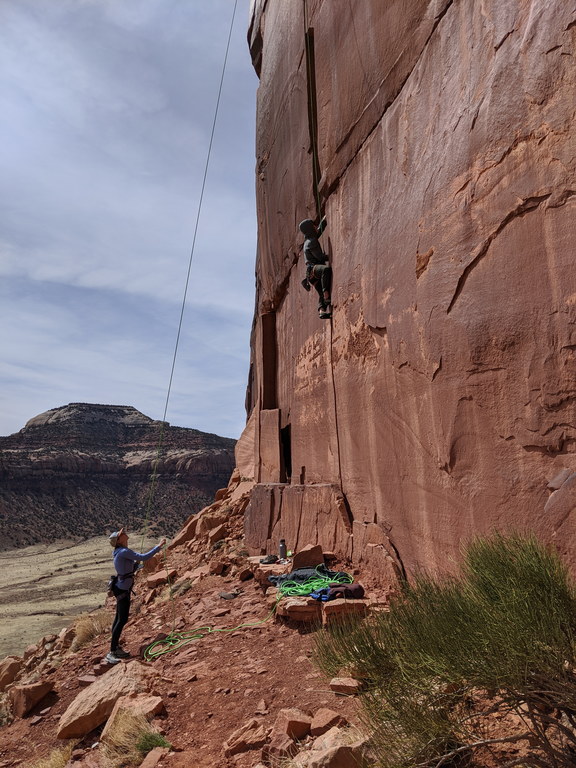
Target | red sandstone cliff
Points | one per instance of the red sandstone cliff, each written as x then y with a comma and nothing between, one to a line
440,400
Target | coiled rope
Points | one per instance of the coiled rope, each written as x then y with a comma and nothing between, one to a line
288,588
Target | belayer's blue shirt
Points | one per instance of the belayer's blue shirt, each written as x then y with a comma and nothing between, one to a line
124,562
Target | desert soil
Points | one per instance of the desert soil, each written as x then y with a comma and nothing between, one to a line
44,587
210,687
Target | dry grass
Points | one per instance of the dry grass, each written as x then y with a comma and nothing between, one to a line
58,758
5,710
90,625
45,587
129,740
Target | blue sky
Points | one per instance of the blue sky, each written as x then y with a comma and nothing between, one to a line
107,107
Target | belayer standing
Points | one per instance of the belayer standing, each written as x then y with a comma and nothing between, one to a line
318,271
125,563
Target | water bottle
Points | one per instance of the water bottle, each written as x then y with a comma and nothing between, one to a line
282,550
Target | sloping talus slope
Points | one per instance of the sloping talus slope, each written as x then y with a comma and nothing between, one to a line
440,400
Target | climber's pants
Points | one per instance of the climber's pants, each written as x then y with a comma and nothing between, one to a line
321,279
122,613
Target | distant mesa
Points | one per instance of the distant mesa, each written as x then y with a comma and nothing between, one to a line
84,469
86,413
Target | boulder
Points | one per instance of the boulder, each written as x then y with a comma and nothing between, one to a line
31,650
280,749
292,722
186,534
262,572
308,557
199,573
340,756
340,609
9,669
66,636
94,704
252,735
161,577
345,685
324,720
335,750
217,567
25,697
301,609
86,680
209,519
154,757
139,704
217,534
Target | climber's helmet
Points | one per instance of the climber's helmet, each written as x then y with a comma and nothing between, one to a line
308,228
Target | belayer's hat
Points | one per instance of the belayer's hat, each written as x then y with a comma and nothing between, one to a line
113,538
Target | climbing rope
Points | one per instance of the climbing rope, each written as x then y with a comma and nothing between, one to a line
187,282
177,639
312,109
291,588
154,478
287,588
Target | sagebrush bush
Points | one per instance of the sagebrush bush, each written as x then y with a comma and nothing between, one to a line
148,740
454,655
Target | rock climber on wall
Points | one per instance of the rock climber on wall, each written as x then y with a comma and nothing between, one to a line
318,272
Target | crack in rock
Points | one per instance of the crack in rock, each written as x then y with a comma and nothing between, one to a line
527,205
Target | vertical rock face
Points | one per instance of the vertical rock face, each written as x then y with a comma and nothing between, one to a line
437,138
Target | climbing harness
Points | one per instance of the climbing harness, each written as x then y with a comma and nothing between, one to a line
288,588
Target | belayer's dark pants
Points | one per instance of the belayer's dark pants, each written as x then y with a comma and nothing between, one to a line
122,613
321,279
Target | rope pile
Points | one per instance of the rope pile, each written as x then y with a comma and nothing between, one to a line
288,588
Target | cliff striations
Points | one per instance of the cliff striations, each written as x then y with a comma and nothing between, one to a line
84,469
440,401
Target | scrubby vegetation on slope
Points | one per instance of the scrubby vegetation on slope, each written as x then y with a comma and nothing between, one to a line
475,670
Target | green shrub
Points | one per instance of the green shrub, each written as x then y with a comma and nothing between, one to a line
456,661
149,740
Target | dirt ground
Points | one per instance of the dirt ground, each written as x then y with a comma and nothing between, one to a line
44,587
210,687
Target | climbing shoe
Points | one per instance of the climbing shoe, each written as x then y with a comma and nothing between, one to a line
269,560
111,658
325,315
120,653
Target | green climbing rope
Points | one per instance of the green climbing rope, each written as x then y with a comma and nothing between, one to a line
288,588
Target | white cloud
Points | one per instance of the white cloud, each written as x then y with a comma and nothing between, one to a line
107,109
